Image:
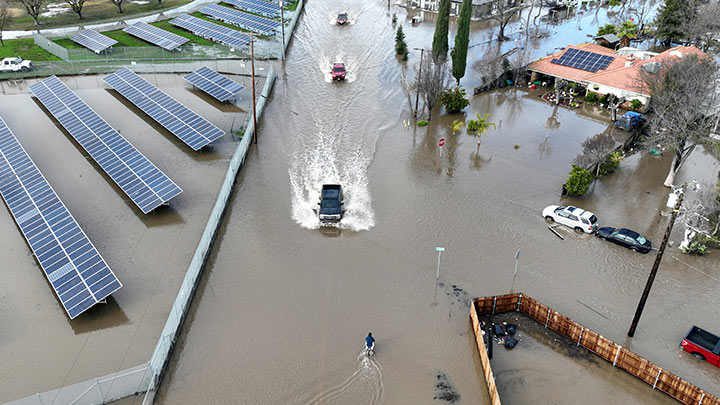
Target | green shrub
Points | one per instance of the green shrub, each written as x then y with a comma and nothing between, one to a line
604,99
578,183
635,104
473,125
454,100
422,123
591,97
696,247
611,163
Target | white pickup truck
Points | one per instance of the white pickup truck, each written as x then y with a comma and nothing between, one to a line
16,64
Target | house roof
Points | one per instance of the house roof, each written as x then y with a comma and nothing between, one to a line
611,38
576,75
624,72
630,77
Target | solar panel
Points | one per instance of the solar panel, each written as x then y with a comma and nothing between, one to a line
93,40
191,128
155,35
246,21
579,59
256,6
144,183
212,31
72,265
214,84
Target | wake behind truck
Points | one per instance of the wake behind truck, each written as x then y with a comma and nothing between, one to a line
703,345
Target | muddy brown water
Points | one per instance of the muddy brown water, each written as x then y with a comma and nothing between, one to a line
40,348
283,306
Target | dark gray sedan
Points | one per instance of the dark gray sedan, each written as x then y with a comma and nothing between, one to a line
625,237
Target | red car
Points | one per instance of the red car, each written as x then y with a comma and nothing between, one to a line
338,71
703,345
342,18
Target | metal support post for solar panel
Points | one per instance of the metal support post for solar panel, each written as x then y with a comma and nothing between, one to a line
252,66
282,26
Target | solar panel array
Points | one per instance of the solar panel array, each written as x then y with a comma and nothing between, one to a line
72,265
214,84
579,59
144,183
256,6
155,35
246,21
191,128
212,31
93,40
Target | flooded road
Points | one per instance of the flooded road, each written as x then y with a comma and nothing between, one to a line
283,307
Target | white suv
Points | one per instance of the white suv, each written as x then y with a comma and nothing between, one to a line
574,217
16,64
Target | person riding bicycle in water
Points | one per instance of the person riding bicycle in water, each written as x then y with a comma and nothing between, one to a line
370,341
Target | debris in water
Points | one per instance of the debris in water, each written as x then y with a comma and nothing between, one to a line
445,390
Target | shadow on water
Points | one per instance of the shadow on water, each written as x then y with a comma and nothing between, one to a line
99,317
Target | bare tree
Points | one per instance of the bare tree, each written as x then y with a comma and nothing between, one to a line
431,82
504,11
3,18
76,6
595,150
702,31
684,95
702,216
118,3
33,9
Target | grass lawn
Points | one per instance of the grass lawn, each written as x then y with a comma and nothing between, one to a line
26,49
291,6
187,34
93,11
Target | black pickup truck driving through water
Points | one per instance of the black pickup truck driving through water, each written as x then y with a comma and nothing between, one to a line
331,204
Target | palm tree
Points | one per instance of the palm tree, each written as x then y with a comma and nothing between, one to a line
456,125
626,31
483,125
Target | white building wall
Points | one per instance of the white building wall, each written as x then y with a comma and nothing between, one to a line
629,95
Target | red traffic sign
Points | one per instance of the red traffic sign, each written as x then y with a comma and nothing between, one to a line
441,142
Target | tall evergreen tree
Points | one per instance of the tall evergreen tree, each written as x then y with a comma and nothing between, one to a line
462,39
440,39
673,19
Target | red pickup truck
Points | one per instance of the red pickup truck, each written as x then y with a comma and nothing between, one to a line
703,345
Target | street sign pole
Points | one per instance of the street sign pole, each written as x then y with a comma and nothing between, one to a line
439,250
441,143
517,259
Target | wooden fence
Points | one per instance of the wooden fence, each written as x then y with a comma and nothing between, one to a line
619,356
484,358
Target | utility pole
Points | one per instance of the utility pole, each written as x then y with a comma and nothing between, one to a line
282,26
252,67
417,95
658,258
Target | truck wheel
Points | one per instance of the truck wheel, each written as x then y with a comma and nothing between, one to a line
549,219
24,69
698,356
578,229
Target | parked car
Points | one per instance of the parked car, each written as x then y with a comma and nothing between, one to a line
342,18
332,204
338,71
625,237
630,120
703,345
16,64
574,217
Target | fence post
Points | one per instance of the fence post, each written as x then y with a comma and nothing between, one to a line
37,395
617,355
519,301
582,329
701,399
657,378
494,300
97,384
547,320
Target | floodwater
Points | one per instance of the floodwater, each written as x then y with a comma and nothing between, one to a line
284,305
41,349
